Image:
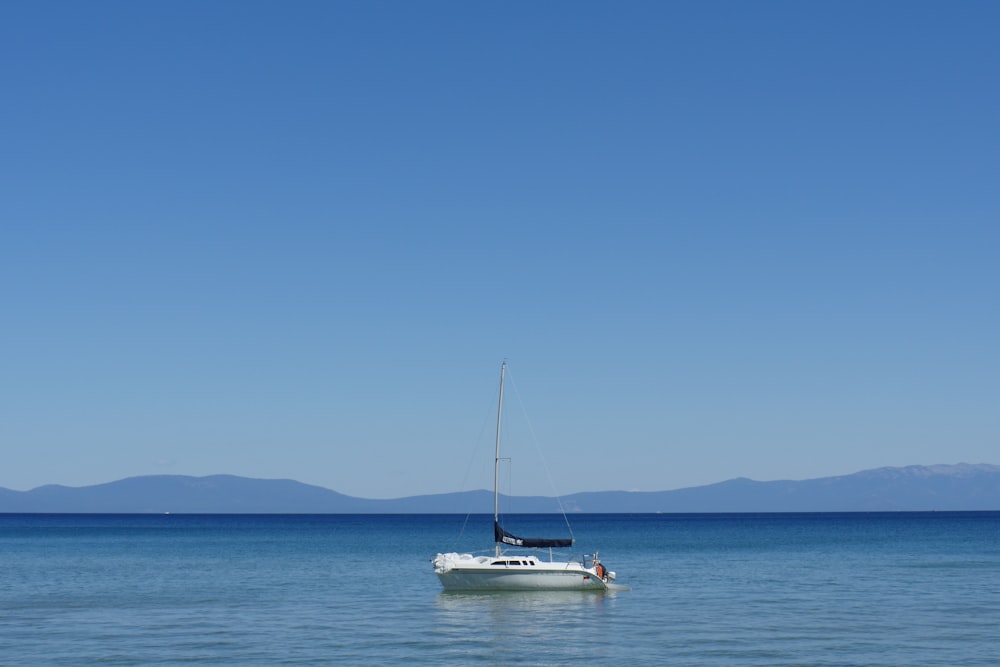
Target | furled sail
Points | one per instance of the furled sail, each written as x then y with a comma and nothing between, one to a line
501,536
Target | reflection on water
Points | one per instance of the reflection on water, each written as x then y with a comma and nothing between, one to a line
520,601
547,627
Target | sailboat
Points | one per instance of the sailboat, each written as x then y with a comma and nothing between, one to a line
503,571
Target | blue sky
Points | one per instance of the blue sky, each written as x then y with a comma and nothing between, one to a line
713,239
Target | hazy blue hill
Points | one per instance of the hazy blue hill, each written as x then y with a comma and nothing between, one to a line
182,494
912,488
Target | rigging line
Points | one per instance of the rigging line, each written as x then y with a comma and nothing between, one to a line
468,470
541,455
510,484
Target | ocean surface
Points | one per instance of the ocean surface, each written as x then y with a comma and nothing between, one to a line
737,589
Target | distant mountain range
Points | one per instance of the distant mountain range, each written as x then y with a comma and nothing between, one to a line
961,487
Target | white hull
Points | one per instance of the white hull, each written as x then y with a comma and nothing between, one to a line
464,572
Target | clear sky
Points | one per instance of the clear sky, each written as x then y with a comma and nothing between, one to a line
296,240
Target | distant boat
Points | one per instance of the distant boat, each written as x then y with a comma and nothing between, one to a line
518,571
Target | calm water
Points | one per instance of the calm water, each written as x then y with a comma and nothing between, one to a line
826,589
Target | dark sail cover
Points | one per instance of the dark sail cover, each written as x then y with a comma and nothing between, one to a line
502,536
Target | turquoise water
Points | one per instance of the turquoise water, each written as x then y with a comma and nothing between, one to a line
823,589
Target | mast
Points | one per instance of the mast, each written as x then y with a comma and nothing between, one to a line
501,536
496,458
